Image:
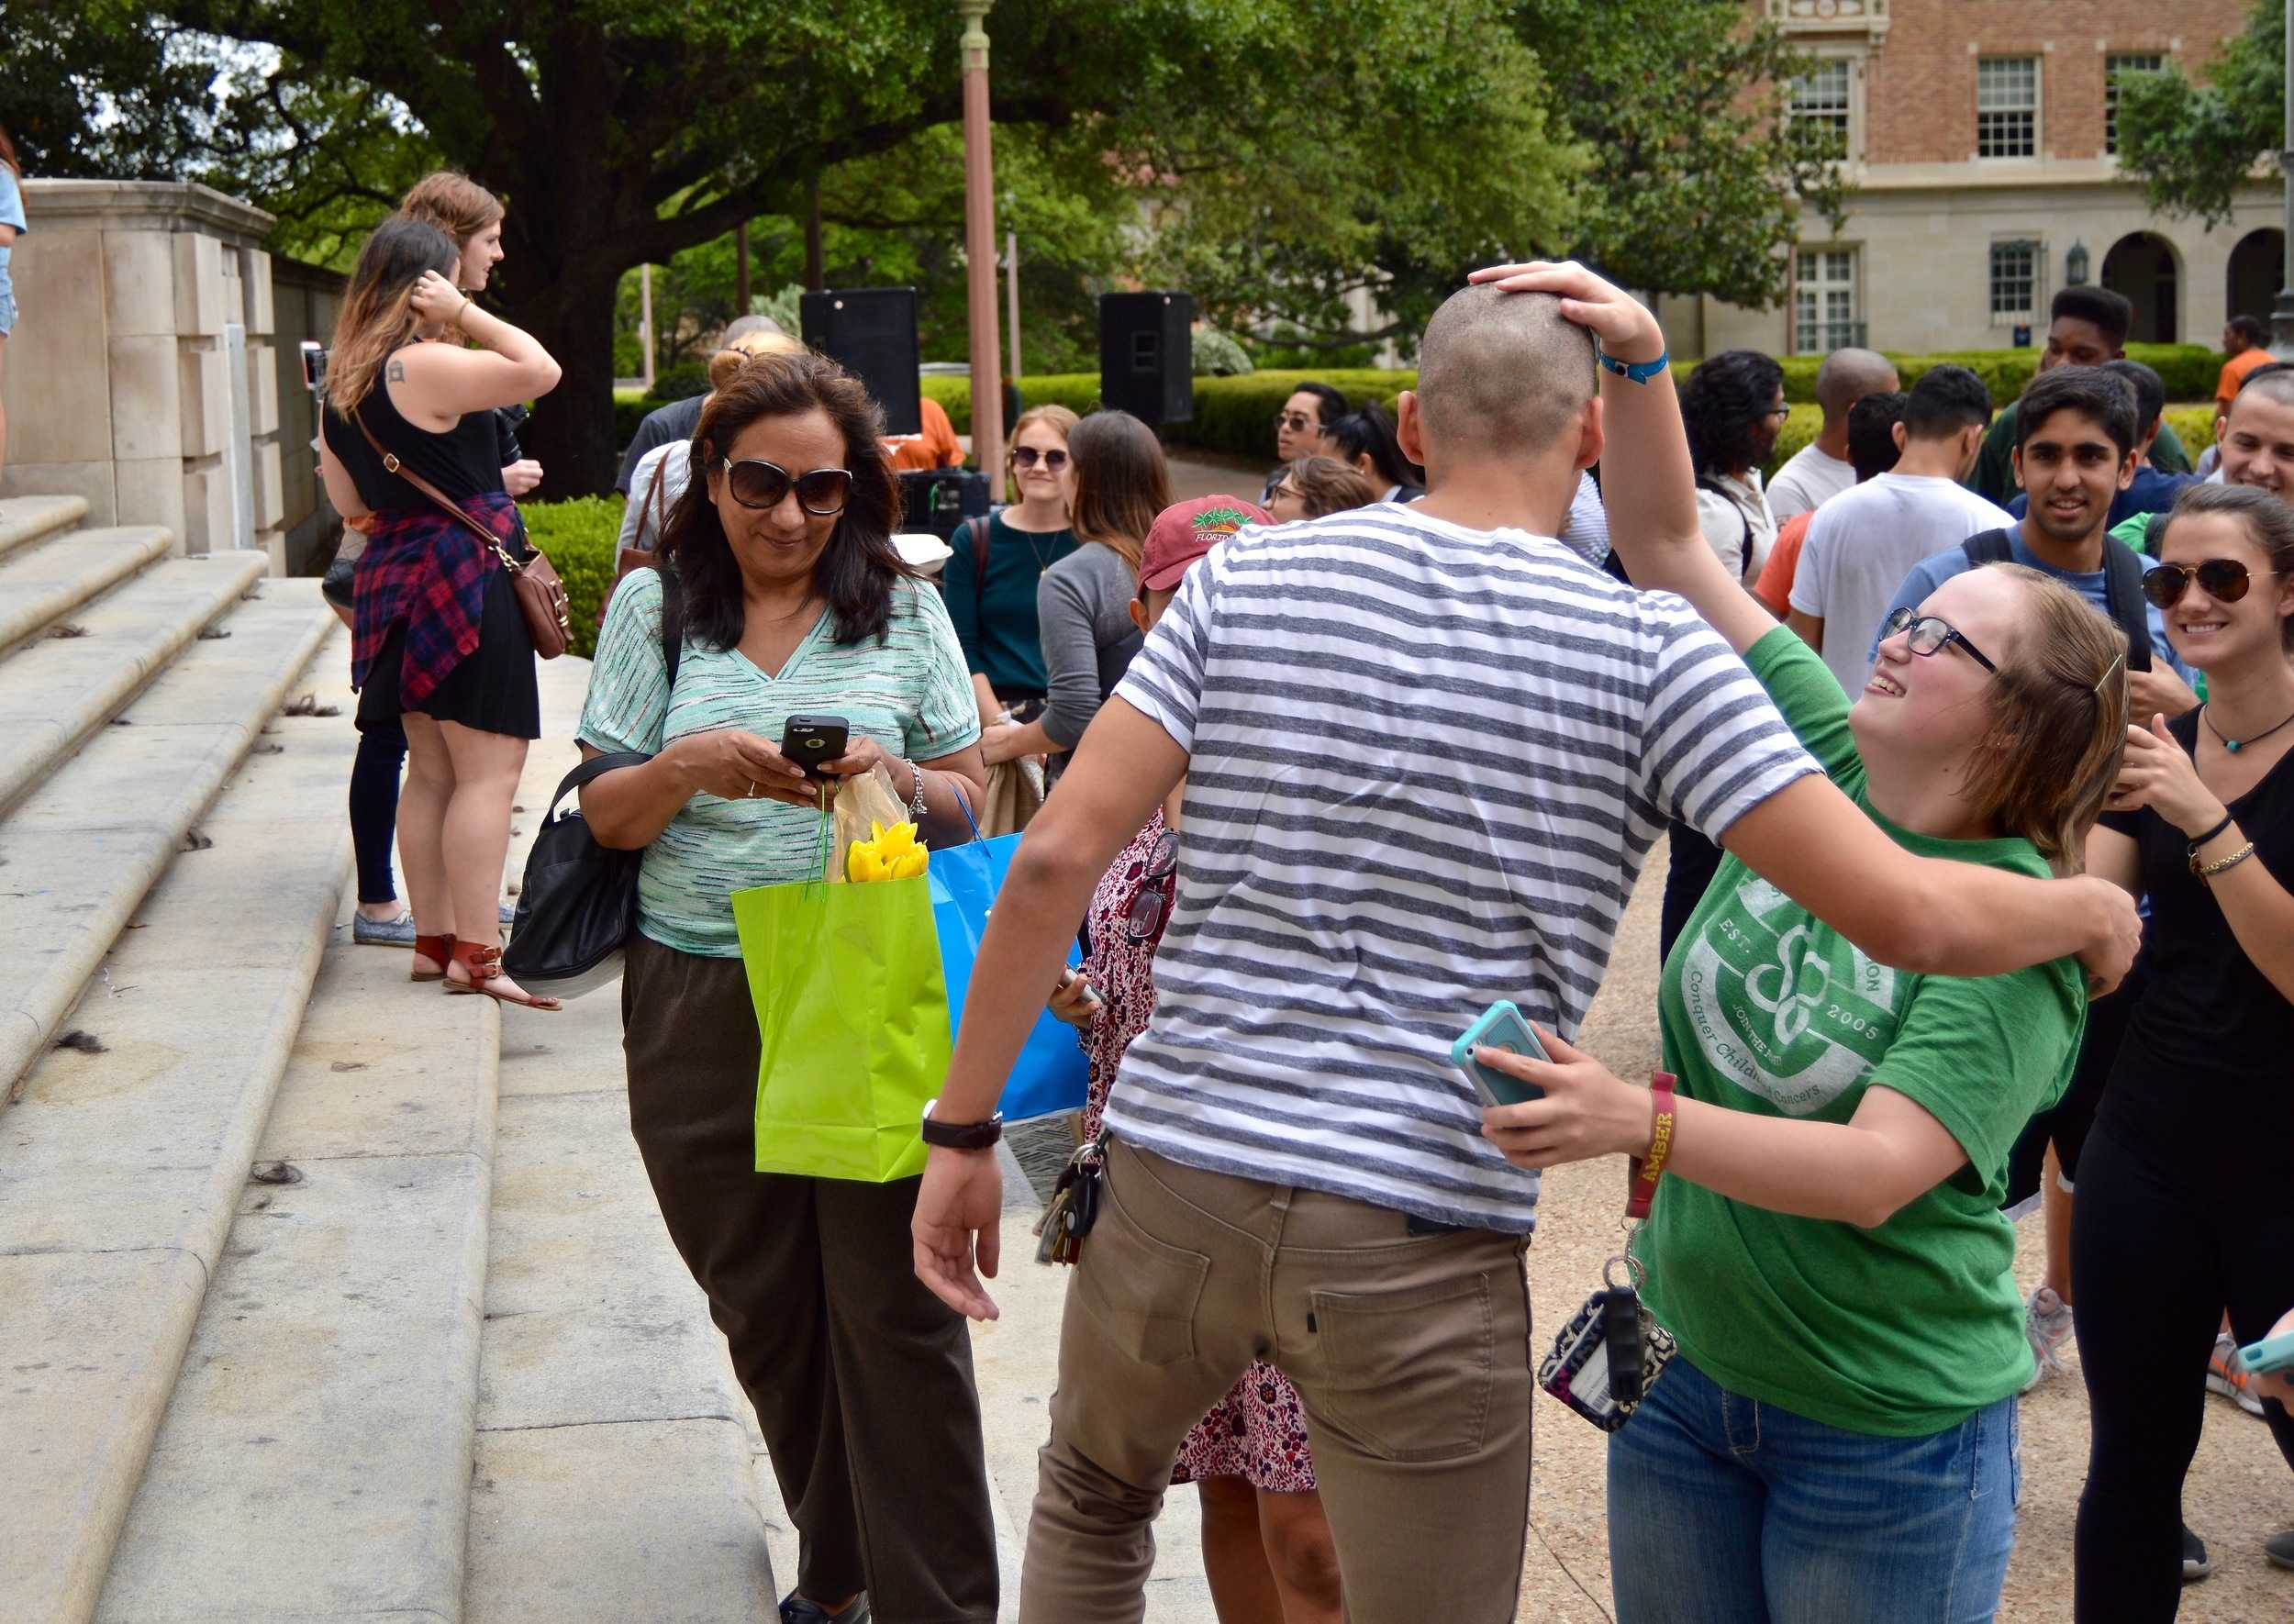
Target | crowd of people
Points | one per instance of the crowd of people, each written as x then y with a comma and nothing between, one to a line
1337,770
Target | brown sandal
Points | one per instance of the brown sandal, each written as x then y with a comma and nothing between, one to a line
439,947
482,962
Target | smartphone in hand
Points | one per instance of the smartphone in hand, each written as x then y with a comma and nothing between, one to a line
1502,1025
2268,1357
811,740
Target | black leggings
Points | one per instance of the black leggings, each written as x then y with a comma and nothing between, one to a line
375,805
1692,863
2158,1251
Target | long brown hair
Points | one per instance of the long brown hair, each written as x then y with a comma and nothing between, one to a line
378,306
1121,482
2058,723
858,571
1328,485
452,202
8,153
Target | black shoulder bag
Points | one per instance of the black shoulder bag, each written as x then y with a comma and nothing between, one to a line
2123,586
578,902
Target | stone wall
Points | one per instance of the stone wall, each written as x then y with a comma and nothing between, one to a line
142,373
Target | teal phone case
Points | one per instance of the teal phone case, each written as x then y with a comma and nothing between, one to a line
1501,1026
2269,1356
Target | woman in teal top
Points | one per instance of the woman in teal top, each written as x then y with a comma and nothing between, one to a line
791,598
994,609
1835,1443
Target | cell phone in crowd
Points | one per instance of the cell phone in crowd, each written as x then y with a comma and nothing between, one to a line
2269,1356
810,740
1502,1025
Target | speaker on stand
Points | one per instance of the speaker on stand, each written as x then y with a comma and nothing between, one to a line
1146,355
871,333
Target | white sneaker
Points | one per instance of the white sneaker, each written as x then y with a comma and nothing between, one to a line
2047,1326
2226,1374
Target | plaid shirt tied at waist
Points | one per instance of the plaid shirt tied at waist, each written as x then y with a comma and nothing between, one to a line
427,569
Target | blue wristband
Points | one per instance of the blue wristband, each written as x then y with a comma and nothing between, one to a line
1637,372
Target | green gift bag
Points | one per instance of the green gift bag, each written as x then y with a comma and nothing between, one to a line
852,1011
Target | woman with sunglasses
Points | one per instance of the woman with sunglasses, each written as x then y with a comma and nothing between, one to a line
1122,482
1267,1549
784,587
1835,1439
998,563
2184,1185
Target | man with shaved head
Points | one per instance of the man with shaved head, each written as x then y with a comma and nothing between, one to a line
1822,469
1424,751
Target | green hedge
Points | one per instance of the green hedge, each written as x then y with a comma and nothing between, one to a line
580,537
2193,424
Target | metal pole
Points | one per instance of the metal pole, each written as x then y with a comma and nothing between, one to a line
2282,314
1011,295
645,319
979,242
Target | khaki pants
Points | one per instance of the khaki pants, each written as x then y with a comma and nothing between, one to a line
1412,1354
861,1378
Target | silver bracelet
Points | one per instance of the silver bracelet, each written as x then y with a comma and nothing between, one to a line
917,808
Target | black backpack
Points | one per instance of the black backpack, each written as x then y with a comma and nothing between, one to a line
2123,586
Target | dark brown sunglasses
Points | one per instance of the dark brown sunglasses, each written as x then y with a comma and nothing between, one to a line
755,483
2224,580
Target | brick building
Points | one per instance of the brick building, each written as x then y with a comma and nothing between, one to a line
1979,138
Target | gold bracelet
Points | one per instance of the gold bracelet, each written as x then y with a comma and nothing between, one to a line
2233,861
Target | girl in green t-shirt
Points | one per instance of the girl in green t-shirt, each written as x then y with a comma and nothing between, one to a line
1836,1439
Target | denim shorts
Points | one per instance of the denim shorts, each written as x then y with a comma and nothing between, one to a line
7,303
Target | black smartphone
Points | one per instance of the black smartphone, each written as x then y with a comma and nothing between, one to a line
809,740
314,366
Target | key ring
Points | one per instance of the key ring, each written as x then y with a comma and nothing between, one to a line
1635,1273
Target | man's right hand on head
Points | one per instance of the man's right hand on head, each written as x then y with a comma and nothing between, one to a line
1621,322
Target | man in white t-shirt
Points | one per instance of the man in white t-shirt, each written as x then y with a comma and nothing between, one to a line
1821,470
1864,541
1425,750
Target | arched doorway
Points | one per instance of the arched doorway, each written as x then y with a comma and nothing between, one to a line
2142,266
2258,269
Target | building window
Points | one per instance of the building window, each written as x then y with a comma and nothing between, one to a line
1824,300
2113,66
1820,97
2006,106
2014,281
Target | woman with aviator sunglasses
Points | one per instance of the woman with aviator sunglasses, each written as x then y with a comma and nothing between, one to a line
1835,1438
2183,1186
789,595
998,563
1267,1547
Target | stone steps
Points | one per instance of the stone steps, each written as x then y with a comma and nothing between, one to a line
81,851
44,581
54,691
25,520
315,1461
120,1170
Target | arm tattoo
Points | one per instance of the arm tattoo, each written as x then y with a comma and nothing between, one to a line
397,371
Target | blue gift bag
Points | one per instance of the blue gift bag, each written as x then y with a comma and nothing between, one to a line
1050,1074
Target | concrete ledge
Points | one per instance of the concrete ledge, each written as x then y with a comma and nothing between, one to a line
27,519
80,852
123,1169
317,1448
42,584
57,691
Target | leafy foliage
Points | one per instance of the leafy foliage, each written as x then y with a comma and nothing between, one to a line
2192,145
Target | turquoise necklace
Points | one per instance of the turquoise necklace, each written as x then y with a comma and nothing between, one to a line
2236,745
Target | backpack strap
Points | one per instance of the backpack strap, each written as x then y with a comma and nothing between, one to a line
1745,557
1992,547
2122,590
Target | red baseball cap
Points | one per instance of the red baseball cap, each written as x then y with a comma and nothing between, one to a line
1186,530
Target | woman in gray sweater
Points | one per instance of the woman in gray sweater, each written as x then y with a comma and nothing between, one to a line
1084,603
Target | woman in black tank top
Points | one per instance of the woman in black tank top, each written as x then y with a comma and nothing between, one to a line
439,644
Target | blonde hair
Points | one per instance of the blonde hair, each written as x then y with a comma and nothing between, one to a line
726,363
1057,418
2058,723
378,316
1327,485
454,202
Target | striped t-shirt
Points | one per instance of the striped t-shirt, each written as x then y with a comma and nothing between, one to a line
1425,764
911,693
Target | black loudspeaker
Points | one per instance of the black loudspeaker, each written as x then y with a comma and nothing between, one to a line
871,333
1147,355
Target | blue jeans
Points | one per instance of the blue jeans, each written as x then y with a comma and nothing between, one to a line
1725,1511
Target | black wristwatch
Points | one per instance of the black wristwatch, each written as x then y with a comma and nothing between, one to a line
962,1136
